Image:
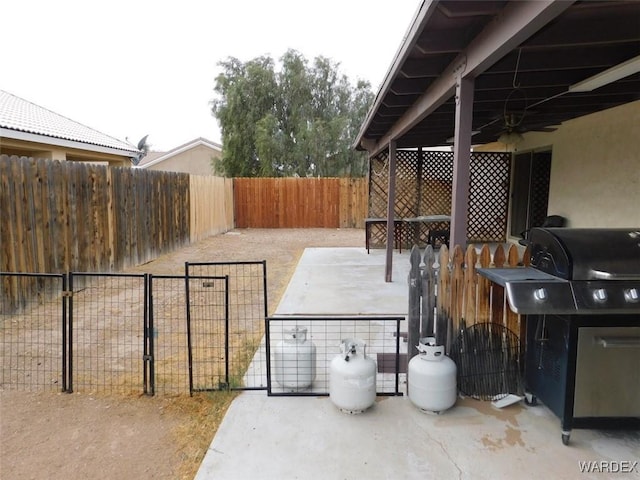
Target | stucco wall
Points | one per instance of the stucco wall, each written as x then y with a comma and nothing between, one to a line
21,148
595,168
196,160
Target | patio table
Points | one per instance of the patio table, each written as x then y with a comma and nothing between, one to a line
413,223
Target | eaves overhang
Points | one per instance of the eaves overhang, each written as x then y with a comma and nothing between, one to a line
63,143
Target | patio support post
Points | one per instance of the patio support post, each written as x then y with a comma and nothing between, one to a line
391,201
461,160
419,211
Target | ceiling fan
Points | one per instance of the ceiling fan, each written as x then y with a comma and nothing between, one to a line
512,119
514,111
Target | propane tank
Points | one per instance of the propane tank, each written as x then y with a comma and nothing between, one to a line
432,378
352,382
295,360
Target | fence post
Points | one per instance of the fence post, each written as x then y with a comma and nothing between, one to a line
444,293
415,290
457,293
428,294
149,373
470,295
66,339
70,333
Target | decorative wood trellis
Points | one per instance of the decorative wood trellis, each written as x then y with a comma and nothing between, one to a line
424,180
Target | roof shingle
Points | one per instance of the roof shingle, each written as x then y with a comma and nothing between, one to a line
23,116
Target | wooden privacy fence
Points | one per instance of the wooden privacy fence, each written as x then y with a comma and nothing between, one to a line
211,206
63,216
300,202
447,295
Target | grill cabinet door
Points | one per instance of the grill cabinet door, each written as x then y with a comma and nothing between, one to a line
608,372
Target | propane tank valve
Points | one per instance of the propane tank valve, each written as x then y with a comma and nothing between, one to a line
351,350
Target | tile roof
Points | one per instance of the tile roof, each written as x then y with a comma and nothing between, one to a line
23,116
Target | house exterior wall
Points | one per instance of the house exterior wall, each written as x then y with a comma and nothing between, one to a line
21,148
196,161
595,168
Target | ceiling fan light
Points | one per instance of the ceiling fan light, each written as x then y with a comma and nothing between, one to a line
608,76
510,138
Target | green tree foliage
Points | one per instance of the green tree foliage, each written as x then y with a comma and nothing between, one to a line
300,120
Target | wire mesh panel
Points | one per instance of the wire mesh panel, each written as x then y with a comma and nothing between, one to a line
187,333
247,310
208,334
32,332
167,335
107,323
301,366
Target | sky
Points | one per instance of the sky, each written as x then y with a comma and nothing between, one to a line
137,67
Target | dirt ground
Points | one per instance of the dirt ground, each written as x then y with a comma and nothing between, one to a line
79,436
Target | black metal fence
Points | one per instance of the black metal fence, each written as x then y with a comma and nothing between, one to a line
243,346
299,351
33,332
188,325
133,333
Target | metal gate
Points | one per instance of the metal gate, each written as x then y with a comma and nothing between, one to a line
33,332
132,333
244,351
188,319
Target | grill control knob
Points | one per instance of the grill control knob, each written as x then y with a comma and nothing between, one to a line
600,295
631,295
540,294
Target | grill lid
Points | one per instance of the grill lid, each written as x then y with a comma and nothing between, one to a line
587,253
575,271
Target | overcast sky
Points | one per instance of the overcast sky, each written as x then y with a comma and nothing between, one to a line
131,68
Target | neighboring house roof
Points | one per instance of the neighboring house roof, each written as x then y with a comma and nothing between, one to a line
153,158
24,120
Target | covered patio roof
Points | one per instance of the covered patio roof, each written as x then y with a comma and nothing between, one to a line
469,71
528,60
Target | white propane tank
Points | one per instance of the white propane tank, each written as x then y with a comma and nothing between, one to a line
295,360
352,382
432,378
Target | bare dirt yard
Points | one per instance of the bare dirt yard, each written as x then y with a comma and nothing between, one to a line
80,436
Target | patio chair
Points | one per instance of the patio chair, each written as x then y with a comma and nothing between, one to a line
438,238
550,221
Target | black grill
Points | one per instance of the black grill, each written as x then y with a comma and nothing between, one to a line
581,298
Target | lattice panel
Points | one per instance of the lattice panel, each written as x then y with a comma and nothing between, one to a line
424,184
378,184
437,181
378,237
406,183
488,196
539,195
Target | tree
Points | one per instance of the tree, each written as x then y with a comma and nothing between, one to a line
300,121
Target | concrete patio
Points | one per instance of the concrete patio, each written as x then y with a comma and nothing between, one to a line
284,438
